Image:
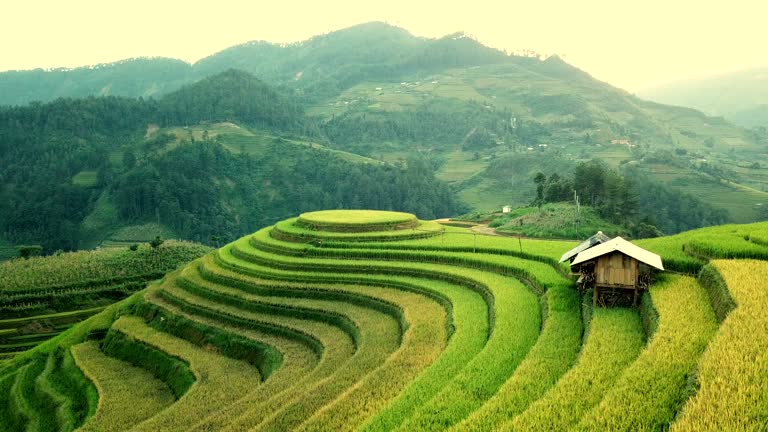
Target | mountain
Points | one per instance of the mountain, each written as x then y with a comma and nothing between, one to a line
318,67
235,96
739,96
754,117
481,120
140,77
468,119
213,159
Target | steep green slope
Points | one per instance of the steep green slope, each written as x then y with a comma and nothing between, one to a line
470,120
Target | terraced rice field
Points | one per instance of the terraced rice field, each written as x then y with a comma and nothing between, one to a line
43,296
375,321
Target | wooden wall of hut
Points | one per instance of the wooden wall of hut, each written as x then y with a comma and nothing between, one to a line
616,269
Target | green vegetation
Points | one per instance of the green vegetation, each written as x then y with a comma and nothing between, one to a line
105,165
7,251
80,268
686,324
324,323
686,252
737,351
136,234
219,380
296,230
548,360
253,192
249,140
466,342
33,406
365,117
479,384
729,191
128,395
334,220
73,393
629,199
172,371
43,296
556,220
86,178
615,339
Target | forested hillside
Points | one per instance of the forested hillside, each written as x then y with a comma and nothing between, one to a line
201,190
140,77
69,159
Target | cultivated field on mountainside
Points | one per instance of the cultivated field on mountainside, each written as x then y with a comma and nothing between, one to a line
377,321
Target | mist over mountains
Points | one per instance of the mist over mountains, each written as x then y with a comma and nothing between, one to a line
741,96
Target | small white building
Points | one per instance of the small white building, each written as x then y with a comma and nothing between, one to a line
506,209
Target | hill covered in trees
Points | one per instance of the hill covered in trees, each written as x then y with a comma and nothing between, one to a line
68,161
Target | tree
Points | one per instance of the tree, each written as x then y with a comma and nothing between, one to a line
589,181
156,242
129,160
29,251
540,179
558,189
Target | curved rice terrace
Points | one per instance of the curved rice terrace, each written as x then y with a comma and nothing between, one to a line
375,321
42,297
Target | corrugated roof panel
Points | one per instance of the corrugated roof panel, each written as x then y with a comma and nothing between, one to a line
586,244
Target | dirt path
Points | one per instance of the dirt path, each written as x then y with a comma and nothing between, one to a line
485,230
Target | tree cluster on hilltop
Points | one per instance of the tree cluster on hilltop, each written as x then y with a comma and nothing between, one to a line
630,199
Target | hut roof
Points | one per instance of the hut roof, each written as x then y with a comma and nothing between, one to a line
586,244
623,246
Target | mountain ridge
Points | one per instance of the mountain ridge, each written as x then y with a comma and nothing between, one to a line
740,96
255,56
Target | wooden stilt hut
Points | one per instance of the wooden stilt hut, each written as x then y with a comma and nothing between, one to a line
616,269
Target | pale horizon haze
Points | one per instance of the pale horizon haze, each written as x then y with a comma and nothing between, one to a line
632,45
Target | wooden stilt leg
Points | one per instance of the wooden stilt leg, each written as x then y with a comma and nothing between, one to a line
634,301
594,296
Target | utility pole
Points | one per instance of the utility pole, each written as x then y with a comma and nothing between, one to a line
578,212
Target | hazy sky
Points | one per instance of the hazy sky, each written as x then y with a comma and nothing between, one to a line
630,44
